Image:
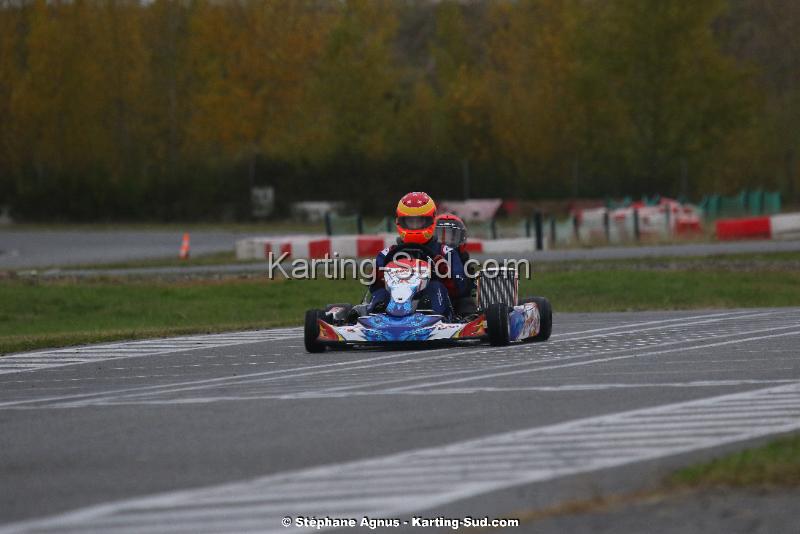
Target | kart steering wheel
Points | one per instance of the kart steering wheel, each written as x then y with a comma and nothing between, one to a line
414,251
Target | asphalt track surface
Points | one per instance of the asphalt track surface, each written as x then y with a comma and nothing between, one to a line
40,248
20,249
233,432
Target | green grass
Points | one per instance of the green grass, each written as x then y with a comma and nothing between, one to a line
44,314
36,313
774,464
622,290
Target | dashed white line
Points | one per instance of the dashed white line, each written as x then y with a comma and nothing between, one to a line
439,475
34,361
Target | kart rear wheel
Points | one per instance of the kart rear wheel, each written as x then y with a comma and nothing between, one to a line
311,332
545,318
497,324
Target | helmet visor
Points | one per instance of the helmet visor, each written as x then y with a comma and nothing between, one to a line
450,234
416,222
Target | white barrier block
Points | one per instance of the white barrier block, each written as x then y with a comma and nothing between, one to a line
389,239
244,249
345,245
519,244
620,225
653,221
785,226
591,226
299,246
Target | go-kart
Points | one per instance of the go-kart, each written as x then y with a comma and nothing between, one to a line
498,317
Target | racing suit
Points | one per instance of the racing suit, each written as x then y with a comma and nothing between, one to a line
464,301
439,288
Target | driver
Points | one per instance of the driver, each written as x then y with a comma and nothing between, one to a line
452,231
416,222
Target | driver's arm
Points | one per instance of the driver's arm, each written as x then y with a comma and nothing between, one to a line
380,262
457,273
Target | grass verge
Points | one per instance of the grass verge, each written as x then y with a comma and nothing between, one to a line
775,464
36,313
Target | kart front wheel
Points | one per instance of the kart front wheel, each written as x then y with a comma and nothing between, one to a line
311,331
545,318
497,324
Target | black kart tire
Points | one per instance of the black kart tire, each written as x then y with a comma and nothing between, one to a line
311,332
497,324
545,318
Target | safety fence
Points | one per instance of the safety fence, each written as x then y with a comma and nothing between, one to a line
748,202
336,224
635,222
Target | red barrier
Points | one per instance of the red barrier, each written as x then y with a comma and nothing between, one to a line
319,248
683,228
369,246
746,228
474,246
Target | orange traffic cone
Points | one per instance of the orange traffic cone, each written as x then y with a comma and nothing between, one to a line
185,247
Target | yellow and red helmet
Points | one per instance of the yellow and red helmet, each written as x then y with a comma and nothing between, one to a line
416,218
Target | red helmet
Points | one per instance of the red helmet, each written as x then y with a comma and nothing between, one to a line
451,230
416,218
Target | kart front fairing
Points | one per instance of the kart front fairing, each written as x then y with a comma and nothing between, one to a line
384,328
524,322
401,322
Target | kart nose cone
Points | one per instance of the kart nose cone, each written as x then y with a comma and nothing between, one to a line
402,294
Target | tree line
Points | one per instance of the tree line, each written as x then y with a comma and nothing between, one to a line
173,110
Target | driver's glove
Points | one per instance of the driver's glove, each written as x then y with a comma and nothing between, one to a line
380,299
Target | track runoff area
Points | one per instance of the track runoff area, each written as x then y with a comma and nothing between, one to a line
245,432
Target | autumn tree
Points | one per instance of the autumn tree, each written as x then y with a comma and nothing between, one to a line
531,78
765,36
358,79
253,60
174,109
676,94
462,99
11,56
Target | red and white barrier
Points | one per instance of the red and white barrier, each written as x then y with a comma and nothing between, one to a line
355,246
669,218
591,224
311,247
358,246
784,226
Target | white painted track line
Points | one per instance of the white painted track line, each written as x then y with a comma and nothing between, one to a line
436,476
48,359
432,370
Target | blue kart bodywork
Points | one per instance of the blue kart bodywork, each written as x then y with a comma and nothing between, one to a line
402,322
